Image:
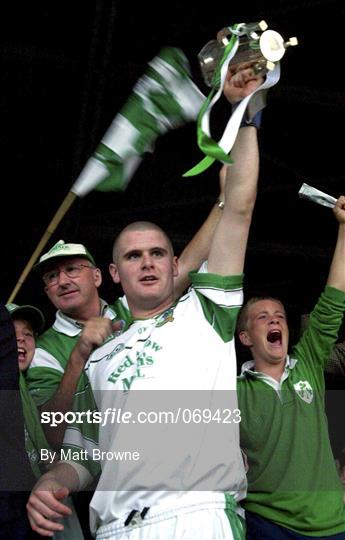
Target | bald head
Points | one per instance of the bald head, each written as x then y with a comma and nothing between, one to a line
138,226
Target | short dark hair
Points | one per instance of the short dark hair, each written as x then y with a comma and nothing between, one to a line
242,320
140,226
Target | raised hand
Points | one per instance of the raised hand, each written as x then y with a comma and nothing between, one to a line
241,81
96,330
339,209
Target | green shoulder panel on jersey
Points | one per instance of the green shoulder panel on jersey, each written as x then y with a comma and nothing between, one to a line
57,344
221,298
122,313
42,383
53,350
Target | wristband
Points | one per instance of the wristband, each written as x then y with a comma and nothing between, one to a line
255,121
253,113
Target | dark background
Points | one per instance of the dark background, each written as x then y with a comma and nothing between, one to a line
66,70
68,67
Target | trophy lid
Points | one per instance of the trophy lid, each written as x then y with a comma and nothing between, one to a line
272,45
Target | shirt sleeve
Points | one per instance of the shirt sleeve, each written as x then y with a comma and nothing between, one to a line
85,478
221,298
44,376
319,338
81,437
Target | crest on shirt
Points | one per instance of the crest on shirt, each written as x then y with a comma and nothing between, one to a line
304,390
167,316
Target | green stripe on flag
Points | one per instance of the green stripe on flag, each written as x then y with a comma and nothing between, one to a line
164,98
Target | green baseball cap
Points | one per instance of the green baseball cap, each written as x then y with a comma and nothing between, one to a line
28,313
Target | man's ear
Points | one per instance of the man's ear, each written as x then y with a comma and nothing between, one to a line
98,277
245,339
175,266
114,273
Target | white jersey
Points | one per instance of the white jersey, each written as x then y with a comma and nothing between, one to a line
176,441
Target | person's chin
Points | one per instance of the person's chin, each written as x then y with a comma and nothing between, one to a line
23,366
69,301
277,356
151,298
150,290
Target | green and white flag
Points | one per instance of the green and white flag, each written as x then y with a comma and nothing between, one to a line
164,98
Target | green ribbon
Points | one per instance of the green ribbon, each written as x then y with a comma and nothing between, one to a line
207,145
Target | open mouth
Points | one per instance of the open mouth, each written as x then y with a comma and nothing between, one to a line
148,278
21,354
274,336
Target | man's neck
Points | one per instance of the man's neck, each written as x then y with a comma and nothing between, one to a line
83,315
149,312
272,370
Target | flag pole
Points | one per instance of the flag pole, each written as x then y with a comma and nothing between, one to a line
64,207
122,147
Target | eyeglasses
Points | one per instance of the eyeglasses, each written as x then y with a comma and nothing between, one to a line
71,270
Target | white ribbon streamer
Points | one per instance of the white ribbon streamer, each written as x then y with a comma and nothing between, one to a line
230,133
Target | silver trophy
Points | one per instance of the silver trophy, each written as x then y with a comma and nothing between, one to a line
257,45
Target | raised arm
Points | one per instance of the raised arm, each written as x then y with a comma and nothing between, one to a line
198,249
229,244
94,333
321,333
336,276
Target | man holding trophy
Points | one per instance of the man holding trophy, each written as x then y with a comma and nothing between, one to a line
184,500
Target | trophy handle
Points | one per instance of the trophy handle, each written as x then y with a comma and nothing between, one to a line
257,45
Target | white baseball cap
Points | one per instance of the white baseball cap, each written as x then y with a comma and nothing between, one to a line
60,249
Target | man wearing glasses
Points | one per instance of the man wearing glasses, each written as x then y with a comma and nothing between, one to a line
71,281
